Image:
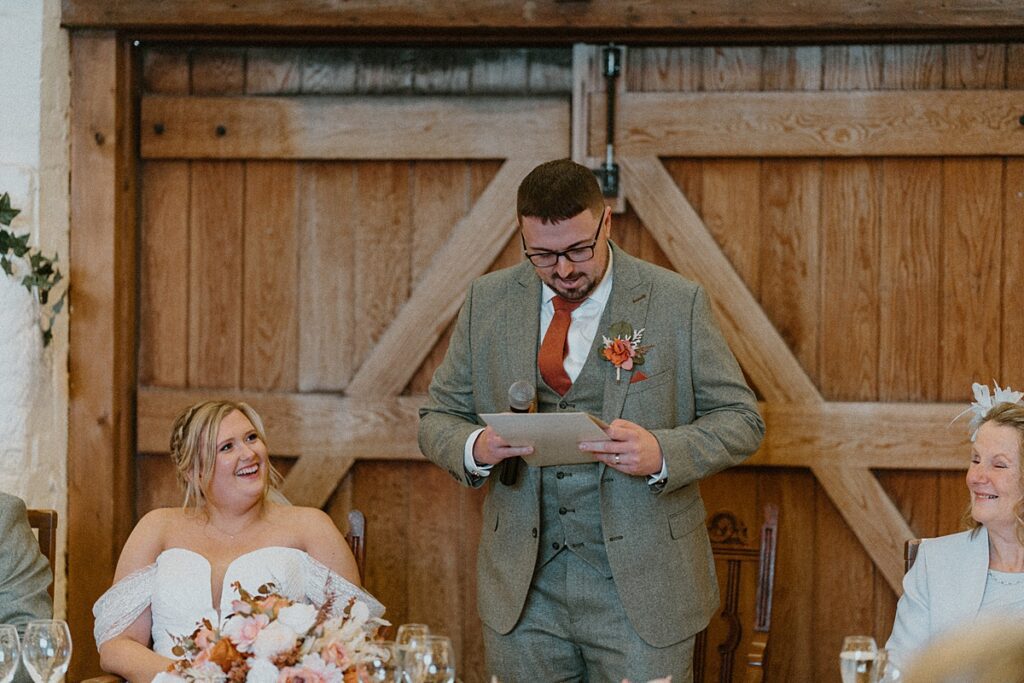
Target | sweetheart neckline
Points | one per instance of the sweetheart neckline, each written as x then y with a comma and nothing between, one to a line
216,605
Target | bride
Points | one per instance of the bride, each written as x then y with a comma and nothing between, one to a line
179,564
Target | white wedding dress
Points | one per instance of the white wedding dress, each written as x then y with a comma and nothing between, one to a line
177,588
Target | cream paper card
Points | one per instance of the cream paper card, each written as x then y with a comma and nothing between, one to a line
555,437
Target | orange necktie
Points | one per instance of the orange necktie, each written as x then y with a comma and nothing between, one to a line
556,345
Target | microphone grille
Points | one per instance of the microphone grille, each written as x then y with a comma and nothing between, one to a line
521,395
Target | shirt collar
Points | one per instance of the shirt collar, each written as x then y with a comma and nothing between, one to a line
601,292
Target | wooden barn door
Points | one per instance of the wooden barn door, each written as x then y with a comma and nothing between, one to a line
310,222
857,215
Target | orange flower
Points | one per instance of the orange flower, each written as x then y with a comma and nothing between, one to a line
620,352
224,654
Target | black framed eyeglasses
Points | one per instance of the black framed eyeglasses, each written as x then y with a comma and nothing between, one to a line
547,259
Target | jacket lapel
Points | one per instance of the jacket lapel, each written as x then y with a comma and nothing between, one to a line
630,297
522,326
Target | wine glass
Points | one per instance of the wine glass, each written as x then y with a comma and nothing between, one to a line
857,658
383,666
410,632
885,669
46,651
429,660
10,649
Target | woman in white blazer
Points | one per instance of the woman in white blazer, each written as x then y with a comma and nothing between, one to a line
978,572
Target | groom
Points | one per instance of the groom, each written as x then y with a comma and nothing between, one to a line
599,571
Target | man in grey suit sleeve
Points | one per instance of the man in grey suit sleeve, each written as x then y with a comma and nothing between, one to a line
24,572
603,570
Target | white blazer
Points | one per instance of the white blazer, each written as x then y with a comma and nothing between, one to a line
941,591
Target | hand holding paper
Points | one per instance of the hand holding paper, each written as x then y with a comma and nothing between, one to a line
629,448
491,448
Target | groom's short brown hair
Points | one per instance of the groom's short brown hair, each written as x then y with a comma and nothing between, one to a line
558,190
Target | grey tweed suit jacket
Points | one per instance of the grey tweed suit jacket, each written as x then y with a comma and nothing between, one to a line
24,572
694,400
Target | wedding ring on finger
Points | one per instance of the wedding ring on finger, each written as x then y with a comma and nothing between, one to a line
617,459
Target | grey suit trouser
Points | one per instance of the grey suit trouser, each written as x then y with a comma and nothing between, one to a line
574,629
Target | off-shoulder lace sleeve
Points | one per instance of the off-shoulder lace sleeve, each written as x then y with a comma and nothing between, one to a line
322,582
121,605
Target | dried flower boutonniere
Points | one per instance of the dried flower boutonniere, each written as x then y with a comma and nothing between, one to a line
623,349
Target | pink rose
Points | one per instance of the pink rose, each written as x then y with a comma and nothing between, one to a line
244,630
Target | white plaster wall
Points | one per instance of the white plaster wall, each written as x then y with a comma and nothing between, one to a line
34,162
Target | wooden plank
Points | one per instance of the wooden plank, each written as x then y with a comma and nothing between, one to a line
693,252
790,266
972,248
651,18
857,435
298,424
273,71
1012,362
794,124
163,281
910,269
215,274
863,435
102,328
477,239
850,242
270,283
872,516
218,71
326,275
314,478
352,127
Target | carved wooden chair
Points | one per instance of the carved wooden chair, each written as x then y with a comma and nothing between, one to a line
356,538
45,524
746,574
910,553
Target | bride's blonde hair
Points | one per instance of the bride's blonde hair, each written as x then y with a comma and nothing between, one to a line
194,447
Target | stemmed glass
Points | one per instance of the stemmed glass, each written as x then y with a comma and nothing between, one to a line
383,667
429,660
885,669
10,650
857,658
410,632
46,650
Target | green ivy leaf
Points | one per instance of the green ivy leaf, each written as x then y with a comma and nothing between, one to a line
7,214
5,262
622,329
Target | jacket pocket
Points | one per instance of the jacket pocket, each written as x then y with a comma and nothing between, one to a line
685,521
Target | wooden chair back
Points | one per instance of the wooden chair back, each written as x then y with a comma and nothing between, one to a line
910,553
746,575
356,537
45,524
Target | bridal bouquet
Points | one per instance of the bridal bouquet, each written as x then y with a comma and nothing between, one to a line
269,638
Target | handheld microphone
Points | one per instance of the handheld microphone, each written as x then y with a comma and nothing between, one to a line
522,398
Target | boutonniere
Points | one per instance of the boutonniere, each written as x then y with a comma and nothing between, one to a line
623,349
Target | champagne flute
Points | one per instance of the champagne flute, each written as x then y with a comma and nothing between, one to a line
383,666
10,651
857,658
46,651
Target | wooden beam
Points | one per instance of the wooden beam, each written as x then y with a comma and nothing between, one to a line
313,478
102,324
384,128
798,124
298,424
912,436
871,514
684,238
683,17
474,244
